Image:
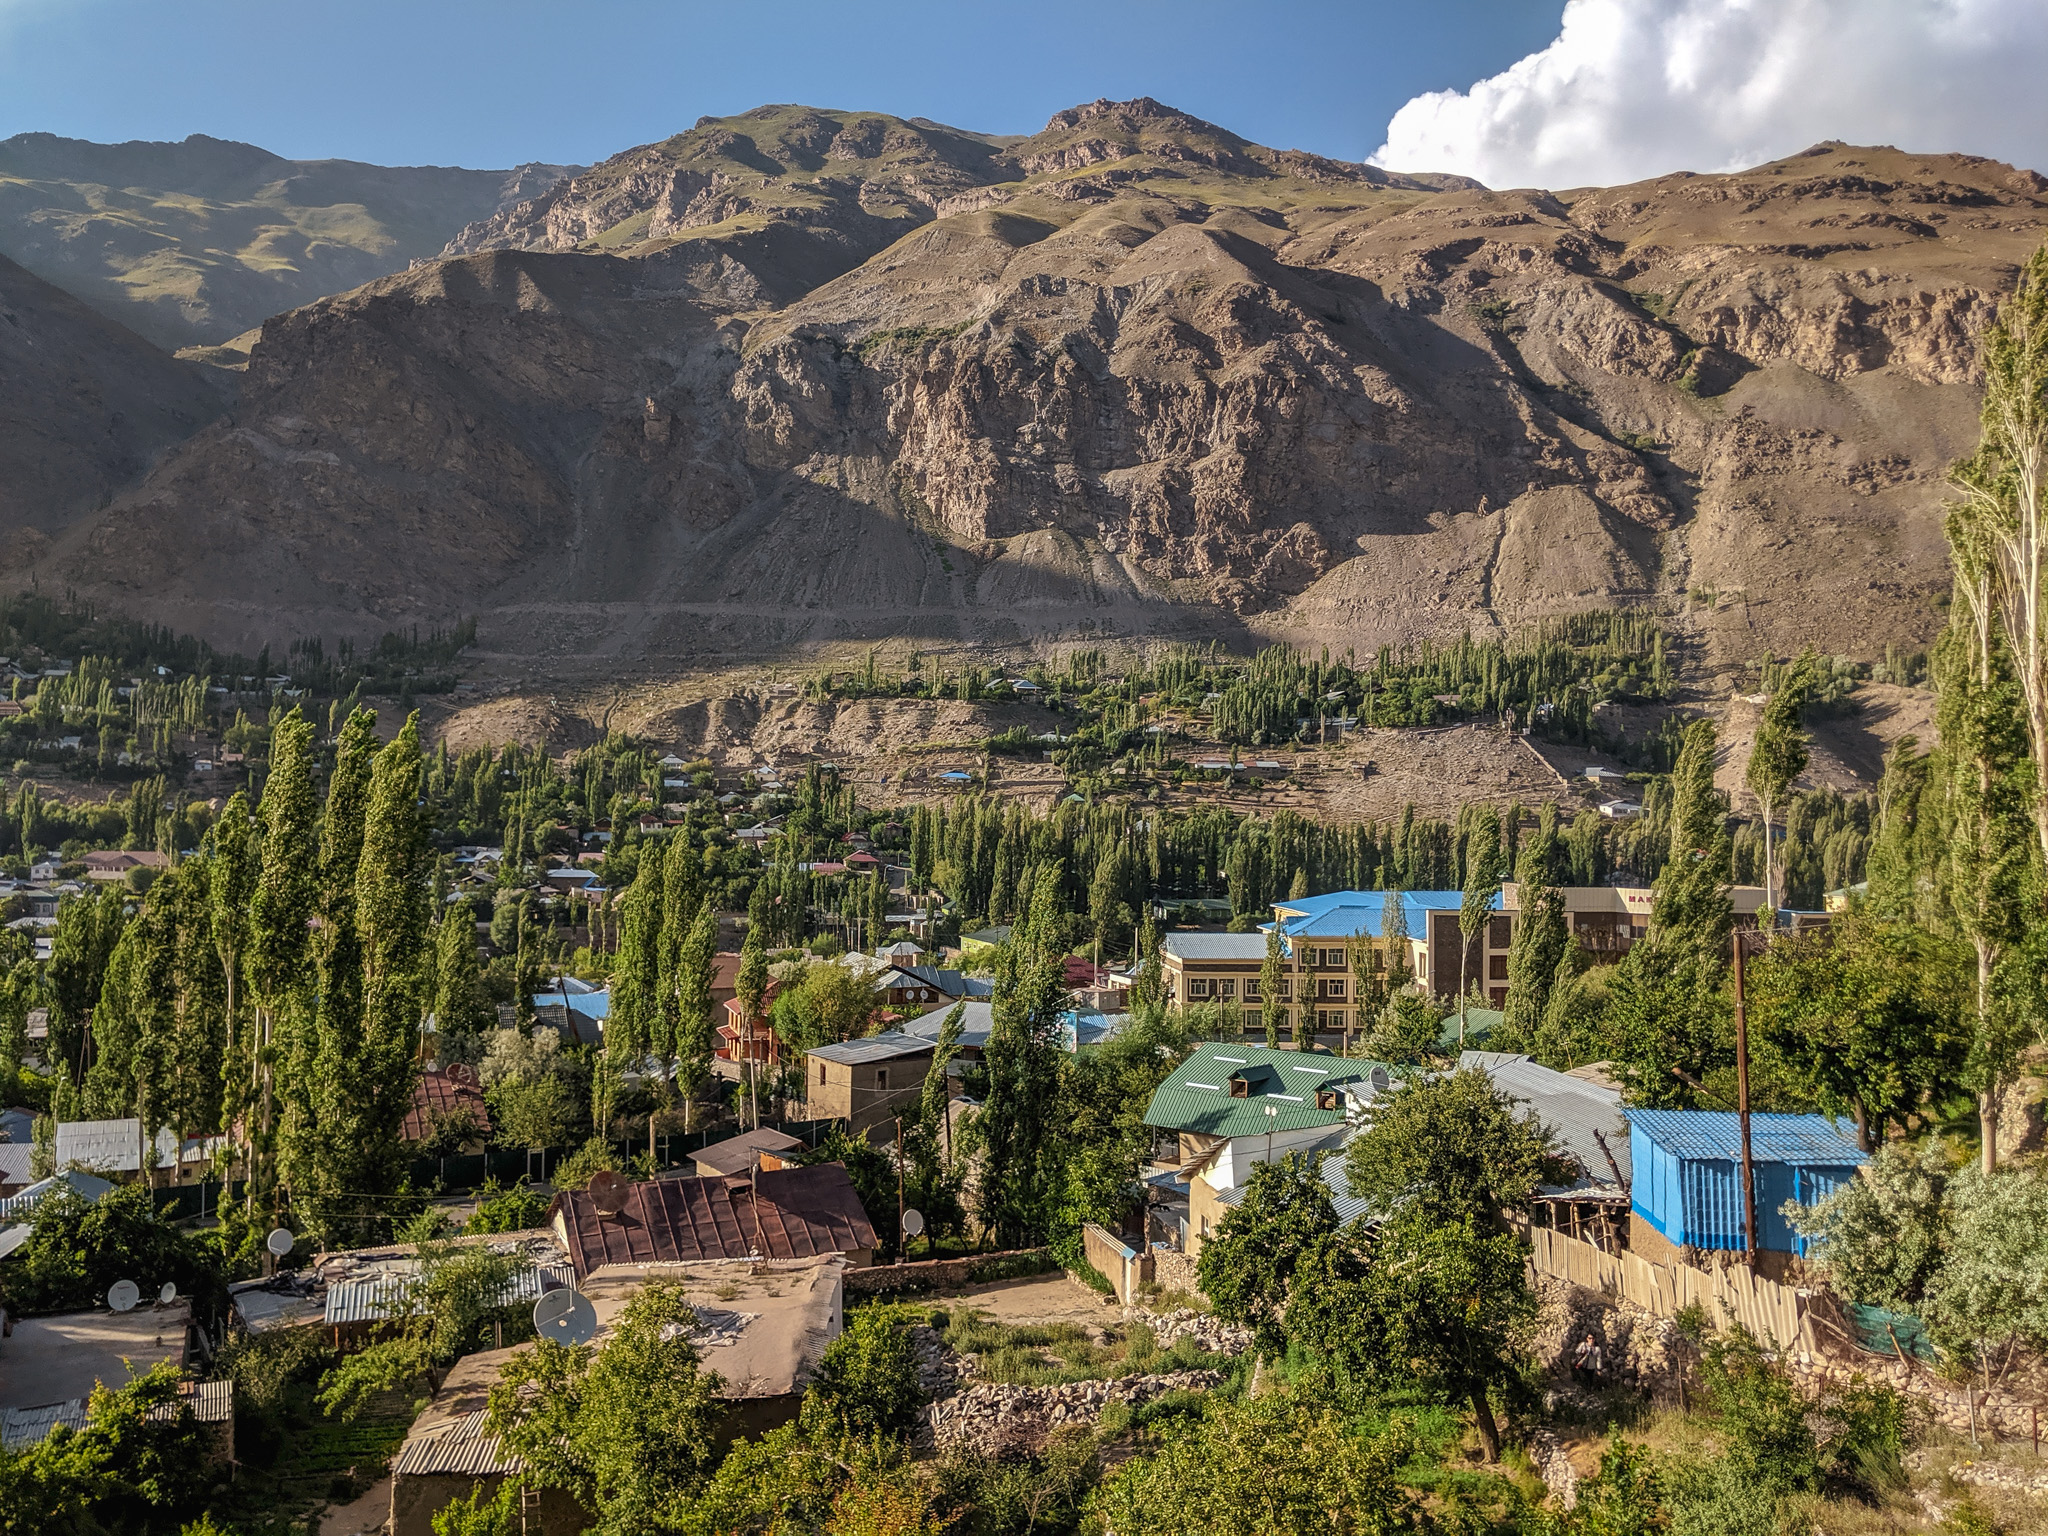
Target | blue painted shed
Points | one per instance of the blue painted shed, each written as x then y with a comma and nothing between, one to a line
1687,1173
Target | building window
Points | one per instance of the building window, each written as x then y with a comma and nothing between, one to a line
1329,1018
821,1074
1229,987
1286,990
881,1077
1496,967
1251,989
1331,987
1197,987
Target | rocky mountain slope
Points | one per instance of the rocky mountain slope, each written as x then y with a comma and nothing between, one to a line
85,407
803,377
195,242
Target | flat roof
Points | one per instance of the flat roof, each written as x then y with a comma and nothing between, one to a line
51,1359
886,1046
737,1154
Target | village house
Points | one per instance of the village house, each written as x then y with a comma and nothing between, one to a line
865,1082
776,1214
1231,1107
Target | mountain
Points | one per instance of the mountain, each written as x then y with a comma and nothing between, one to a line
85,407
193,243
801,377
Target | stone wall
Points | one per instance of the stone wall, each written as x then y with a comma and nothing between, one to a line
949,1274
994,1419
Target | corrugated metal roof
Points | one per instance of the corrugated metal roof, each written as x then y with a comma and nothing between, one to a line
1197,1095
1700,1134
114,1146
784,1213
1337,1180
1340,914
464,1449
883,1047
1570,1107
397,1293
975,1023
211,1402
737,1154
18,1207
1214,946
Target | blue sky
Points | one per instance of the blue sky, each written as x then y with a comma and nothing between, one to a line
458,82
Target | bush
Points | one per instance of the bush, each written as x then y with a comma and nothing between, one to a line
508,1210
1761,1415
81,1247
866,1383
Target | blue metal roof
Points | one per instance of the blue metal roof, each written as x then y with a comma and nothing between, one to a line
1698,1134
1340,914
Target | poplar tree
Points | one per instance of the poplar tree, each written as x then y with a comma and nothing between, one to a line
636,969
1778,756
749,988
1999,532
1272,976
682,893
233,866
696,969
1394,931
1021,1169
1482,888
1540,942
461,1011
394,884
287,893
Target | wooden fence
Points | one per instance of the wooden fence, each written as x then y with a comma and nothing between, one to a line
1775,1314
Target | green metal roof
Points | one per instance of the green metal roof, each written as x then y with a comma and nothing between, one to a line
1197,1096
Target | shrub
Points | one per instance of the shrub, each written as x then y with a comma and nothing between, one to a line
508,1210
866,1382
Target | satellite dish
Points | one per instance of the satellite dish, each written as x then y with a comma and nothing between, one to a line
280,1241
913,1223
567,1317
122,1296
168,1294
607,1192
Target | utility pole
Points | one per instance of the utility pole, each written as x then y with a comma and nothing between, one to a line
1742,1110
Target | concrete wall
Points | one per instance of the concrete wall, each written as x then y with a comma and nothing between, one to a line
1115,1260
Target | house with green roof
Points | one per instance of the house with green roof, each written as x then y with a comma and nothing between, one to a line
1232,1107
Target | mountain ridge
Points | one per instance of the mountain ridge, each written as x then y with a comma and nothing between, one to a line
1163,385
192,242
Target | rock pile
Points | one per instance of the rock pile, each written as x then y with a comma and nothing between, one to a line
992,1418
1214,1335
940,1370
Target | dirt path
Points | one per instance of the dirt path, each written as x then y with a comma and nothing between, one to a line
1043,1299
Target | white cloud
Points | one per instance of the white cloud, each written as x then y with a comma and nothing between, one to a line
1636,88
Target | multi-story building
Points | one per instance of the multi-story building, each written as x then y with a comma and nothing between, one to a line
1320,937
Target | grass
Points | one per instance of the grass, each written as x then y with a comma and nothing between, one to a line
1052,1354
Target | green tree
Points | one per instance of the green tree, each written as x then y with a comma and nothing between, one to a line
1540,942
1247,1266
695,970
1998,533
1482,891
1991,1291
280,921
1015,1132
750,986
1866,1018
1267,1466
629,1428
234,863
630,1025
463,1015
78,1248
125,1471
1778,756
1881,1237
866,1383
1273,974
1394,930
1452,1147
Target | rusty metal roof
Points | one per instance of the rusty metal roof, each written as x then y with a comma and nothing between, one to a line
784,1213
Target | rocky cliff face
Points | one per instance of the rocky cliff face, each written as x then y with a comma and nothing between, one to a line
802,376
